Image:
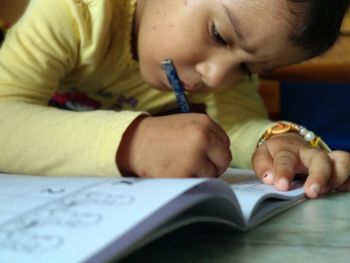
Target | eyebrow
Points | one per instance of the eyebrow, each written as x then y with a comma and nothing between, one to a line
236,25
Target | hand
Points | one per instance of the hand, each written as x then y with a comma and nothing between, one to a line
282,156
180,145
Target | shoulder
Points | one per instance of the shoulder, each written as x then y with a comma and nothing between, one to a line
74,20
67,11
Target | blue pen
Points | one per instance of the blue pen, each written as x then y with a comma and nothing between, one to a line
176,85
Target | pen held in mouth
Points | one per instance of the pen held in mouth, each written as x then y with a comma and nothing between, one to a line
176,85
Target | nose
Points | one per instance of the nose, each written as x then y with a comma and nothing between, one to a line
219,71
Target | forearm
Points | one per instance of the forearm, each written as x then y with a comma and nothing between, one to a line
46,141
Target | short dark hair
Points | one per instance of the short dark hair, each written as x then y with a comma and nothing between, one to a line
321,25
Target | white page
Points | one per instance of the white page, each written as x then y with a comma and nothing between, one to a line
250,190
251,193
67,220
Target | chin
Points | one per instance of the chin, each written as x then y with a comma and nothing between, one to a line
158,86
162,88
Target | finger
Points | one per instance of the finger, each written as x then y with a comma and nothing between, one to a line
205,121
206,169
263,164
345,187
285,163
319,169
218,152
220,132
341,170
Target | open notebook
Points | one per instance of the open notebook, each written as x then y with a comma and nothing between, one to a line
89,219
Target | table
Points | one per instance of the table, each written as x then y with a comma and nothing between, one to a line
313,231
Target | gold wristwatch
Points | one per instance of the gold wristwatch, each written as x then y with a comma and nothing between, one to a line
285,127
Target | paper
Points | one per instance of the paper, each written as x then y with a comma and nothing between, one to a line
41,217
250,193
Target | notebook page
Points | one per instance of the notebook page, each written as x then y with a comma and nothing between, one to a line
45,218
252,192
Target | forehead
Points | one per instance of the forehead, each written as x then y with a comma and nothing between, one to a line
266,27
255,16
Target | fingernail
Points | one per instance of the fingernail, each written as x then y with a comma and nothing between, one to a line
268,177
283,184
316,189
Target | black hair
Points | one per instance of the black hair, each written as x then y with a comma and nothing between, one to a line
320,29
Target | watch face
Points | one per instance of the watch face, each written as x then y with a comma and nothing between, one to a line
281,128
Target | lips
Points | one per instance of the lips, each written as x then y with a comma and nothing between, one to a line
187,86
196,87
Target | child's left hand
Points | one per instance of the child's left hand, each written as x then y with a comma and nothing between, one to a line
282,156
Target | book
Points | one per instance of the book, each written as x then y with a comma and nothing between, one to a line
90,219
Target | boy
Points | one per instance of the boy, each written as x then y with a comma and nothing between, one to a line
106,56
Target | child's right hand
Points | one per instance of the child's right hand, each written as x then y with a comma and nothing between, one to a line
180,145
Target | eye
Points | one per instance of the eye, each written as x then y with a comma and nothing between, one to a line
217,36
245,69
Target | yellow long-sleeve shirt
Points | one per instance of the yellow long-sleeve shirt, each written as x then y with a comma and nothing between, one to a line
79,53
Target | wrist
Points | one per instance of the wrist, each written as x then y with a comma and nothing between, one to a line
127,150
289,127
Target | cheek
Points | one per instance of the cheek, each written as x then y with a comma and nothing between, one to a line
149,72
155,46
152,72
149,57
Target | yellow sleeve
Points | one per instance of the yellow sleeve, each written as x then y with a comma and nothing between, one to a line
241,112
42,48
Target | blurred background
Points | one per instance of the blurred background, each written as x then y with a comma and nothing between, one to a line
315,93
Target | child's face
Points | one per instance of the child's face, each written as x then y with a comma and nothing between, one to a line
212,42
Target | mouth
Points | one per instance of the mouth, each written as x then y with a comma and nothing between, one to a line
173,78
192,88
185,86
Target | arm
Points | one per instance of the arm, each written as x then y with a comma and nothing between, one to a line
242,114
39,51
282,156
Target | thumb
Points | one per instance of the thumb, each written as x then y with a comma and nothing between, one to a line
263,164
